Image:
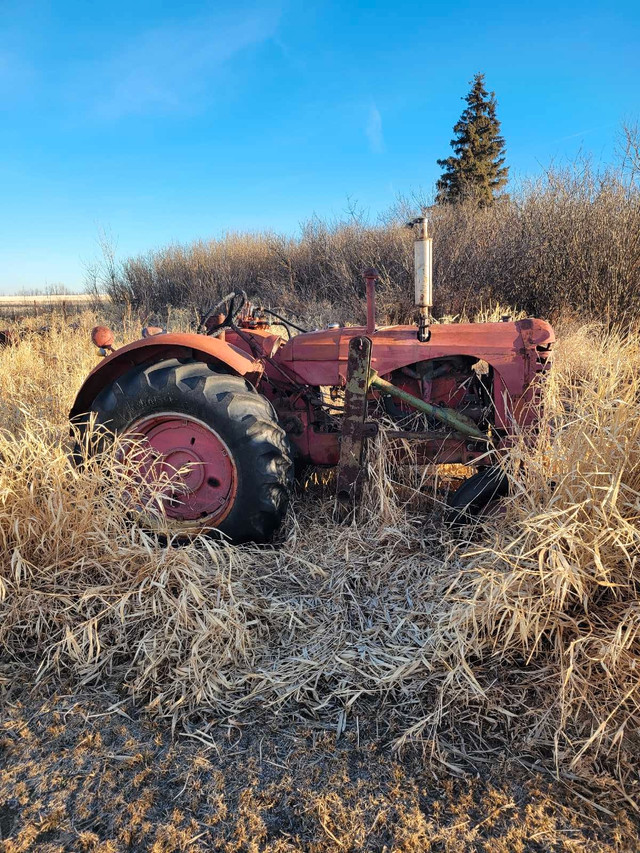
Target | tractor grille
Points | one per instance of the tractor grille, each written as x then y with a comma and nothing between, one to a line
542,367
543,358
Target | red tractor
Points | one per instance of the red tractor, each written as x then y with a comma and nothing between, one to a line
230,411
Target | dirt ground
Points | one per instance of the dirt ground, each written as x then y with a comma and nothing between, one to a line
83,775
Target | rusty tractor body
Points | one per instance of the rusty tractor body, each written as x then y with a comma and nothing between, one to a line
231,410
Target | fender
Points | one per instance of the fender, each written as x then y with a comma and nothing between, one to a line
157,348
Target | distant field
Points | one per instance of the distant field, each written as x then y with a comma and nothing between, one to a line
16,301
15,306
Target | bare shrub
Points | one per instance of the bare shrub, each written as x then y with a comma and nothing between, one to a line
567,241
317,276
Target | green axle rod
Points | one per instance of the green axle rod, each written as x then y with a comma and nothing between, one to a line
461,423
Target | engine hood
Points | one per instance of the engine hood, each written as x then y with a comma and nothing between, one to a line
320,358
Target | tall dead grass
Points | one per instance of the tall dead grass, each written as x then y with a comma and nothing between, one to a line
551,591
525,628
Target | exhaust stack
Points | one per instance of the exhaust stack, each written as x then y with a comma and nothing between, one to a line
423,260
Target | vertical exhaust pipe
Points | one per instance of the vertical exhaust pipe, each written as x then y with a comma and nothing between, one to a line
370,276
423,265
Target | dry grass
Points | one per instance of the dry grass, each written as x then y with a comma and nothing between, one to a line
521,634
549,594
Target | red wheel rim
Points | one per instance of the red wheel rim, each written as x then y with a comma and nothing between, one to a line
195,462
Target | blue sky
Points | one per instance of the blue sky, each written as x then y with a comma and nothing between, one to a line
166,121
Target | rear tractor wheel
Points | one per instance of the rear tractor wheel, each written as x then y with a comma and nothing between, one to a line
215,437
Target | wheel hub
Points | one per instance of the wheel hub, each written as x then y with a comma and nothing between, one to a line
188,467
194,462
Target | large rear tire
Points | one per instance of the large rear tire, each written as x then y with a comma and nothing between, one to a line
219,430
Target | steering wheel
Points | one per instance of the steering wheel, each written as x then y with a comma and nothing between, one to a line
235,302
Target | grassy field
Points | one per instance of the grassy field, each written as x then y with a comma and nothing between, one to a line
46,299
383,685
13,308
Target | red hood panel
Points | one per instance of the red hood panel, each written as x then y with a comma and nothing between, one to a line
320,358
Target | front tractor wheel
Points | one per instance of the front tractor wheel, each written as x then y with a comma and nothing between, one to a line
211,432
477,496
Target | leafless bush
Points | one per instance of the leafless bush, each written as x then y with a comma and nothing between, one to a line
569,240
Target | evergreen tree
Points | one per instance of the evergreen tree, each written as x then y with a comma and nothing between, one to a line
477,170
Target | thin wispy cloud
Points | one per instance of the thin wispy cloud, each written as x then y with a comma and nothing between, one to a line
173,67
585,132
374,130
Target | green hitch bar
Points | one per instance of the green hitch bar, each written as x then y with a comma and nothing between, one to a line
460,423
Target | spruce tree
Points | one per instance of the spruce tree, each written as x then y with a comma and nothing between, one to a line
476,171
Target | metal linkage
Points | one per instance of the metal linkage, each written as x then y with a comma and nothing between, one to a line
353,422
460,423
